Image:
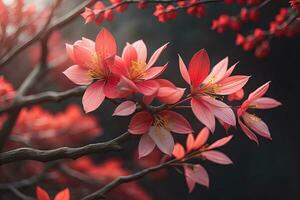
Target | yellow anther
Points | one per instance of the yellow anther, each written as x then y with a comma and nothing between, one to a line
137,70
161,121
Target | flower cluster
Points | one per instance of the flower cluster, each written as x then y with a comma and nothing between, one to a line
132,80
250,12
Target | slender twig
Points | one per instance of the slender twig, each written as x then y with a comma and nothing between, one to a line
61,153
19,194
100,194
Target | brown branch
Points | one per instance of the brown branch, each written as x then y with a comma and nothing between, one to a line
61,153
100,194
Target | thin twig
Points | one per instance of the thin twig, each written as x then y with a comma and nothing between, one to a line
100,194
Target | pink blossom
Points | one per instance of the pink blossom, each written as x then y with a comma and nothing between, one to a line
92,62
207,87
250,123
156,130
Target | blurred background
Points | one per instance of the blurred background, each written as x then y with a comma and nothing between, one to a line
268,171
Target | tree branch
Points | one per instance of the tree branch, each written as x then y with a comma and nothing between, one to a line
61,153
100,194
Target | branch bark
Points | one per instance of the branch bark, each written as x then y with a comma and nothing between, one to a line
61,153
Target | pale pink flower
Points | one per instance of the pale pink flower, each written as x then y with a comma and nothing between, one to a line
136,73
156,130
92,62
250,123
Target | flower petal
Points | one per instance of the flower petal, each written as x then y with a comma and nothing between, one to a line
203,113
220,110
119,67
220,142
41,194
140,123
105,44
178,151
162,138
199,67
154,72
85,57
63,195
176,122
93,96
232,84
129,55
218,72
248,132
190,183
148,87
257,125
201,138
259,92
78,75
110,87
155,56
70,52
217,157
125,108
183,70
141,50
146,145
190,142
198,174
265,103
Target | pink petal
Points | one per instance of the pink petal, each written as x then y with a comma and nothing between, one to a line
238,95
154,72
170,95
217,157
178,151
84,57
141,50
198,174
190,183
183,70
220,142
162,138
257,125
176,122
140,123
110,87
199,67
146,145
265,103
148,87
125,108
78,75
105,44
190,142
248,132
259,92
201,138
63,195
126,86
93,96
218,72
203,113
119,67
230,70
220,110
129,55
232,84
155,56
41,194
70,52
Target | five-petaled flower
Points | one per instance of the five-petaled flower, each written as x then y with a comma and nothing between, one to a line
206,88
156,130
92,67
136,74
250,122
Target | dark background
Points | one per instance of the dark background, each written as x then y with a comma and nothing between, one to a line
268,171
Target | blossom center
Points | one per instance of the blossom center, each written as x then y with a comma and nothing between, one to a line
161,121
137,70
